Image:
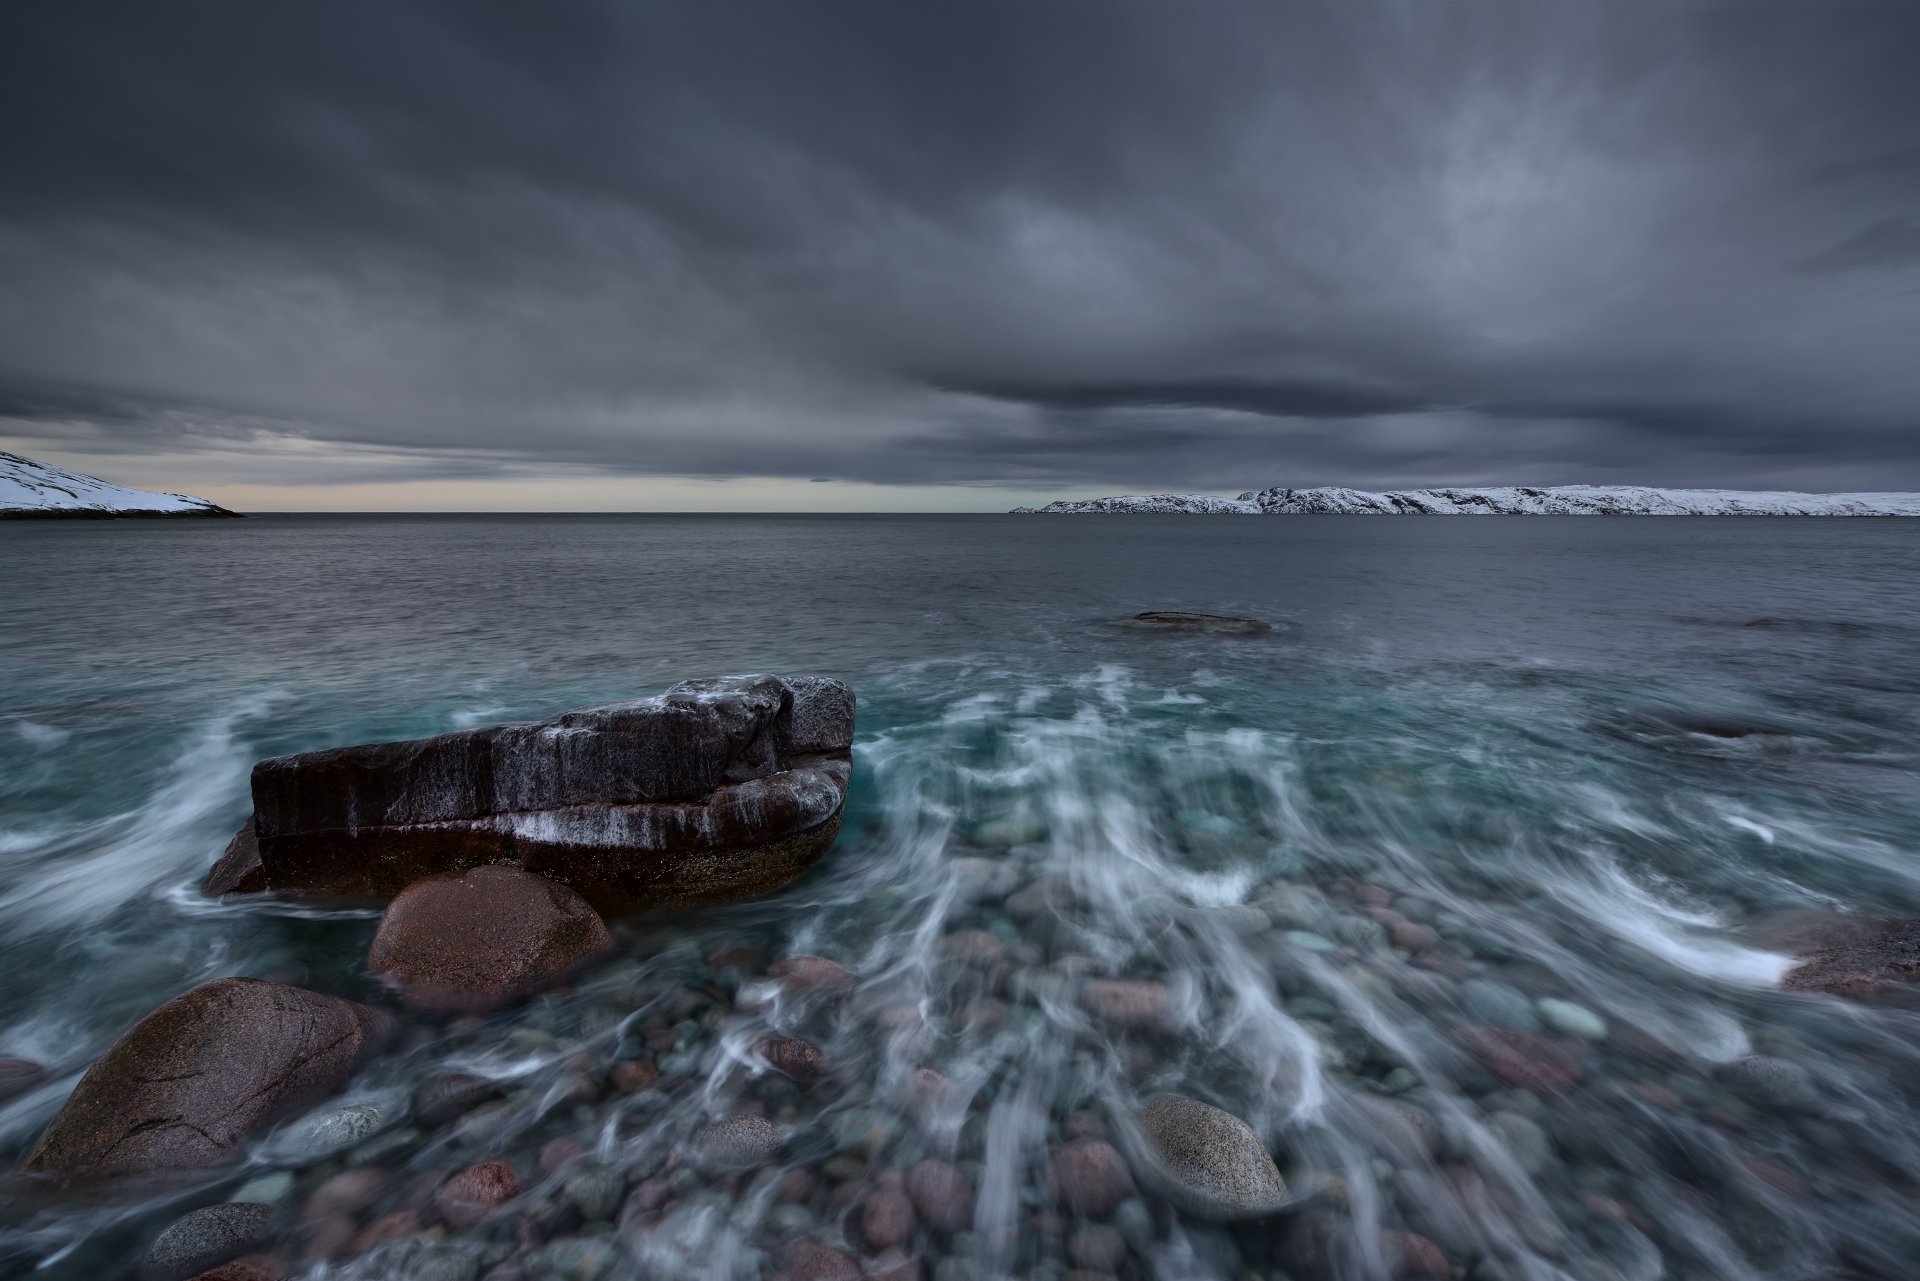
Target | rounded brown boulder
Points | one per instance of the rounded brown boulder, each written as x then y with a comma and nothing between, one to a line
483,937
184,1085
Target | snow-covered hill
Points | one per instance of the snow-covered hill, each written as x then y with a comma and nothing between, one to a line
1174,504
1505,500
29,489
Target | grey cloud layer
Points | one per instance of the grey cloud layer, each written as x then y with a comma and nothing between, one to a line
1029,242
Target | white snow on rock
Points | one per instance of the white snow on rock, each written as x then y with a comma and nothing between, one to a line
1505,500
1172,504
28,488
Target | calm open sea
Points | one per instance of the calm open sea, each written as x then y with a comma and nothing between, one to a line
1477,728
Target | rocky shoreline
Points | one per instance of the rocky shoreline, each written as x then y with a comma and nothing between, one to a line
687,1095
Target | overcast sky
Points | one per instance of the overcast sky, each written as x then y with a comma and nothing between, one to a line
919,254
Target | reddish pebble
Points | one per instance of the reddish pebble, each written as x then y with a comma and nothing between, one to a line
941,1194
1092,1176
973,947
1410,936
812,974
887,1219
252,1267
1414,1258
1659,1096
630,1076
347,1192
808,1261
471,1195
398,1224
1127,1003
558,1152
1522,1061
796,1058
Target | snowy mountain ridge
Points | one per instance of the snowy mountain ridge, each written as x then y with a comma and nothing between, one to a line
34,489
1498,500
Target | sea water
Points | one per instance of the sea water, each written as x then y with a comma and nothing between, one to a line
1592,780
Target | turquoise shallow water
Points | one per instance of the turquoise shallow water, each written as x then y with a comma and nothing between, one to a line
1475,729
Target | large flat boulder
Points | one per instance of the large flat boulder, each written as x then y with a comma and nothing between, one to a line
184,1086
714,791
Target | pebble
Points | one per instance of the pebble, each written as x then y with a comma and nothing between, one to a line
1524,1140
1498,1005
346,1193
252,1267
811,1261
1018,828
1775,1080
1208,1162
466,1199
267,1189
594,1191
572,1259
207,1238
1092,1176
631,1076
812,974
796,1058
982,880
973,947
1307,941
737,1143
1135,1222
1131,1004
941,1194
446,1097
320,1135
1098,1246
1242,919
1523,1061
1572,1020
888,1219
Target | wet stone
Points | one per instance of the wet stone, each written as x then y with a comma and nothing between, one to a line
737,1143
594,1191
267,1189
941,1194
795,1058
1099,1246
466,1199
1092,1176
1523,1061
811,1261
888,1219
1208,1162
446,1097
1127,1003
1498,1005
207,1238
1572,1020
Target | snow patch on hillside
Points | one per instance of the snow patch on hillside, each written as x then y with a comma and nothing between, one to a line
29,488
1504,500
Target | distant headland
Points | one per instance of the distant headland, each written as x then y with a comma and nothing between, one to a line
31,490
1498,500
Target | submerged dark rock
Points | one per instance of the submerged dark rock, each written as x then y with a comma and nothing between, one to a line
1862,967
185,1084
1166,620
717,790
207,1238
476,939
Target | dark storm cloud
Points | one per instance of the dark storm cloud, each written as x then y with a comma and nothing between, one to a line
1038,242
